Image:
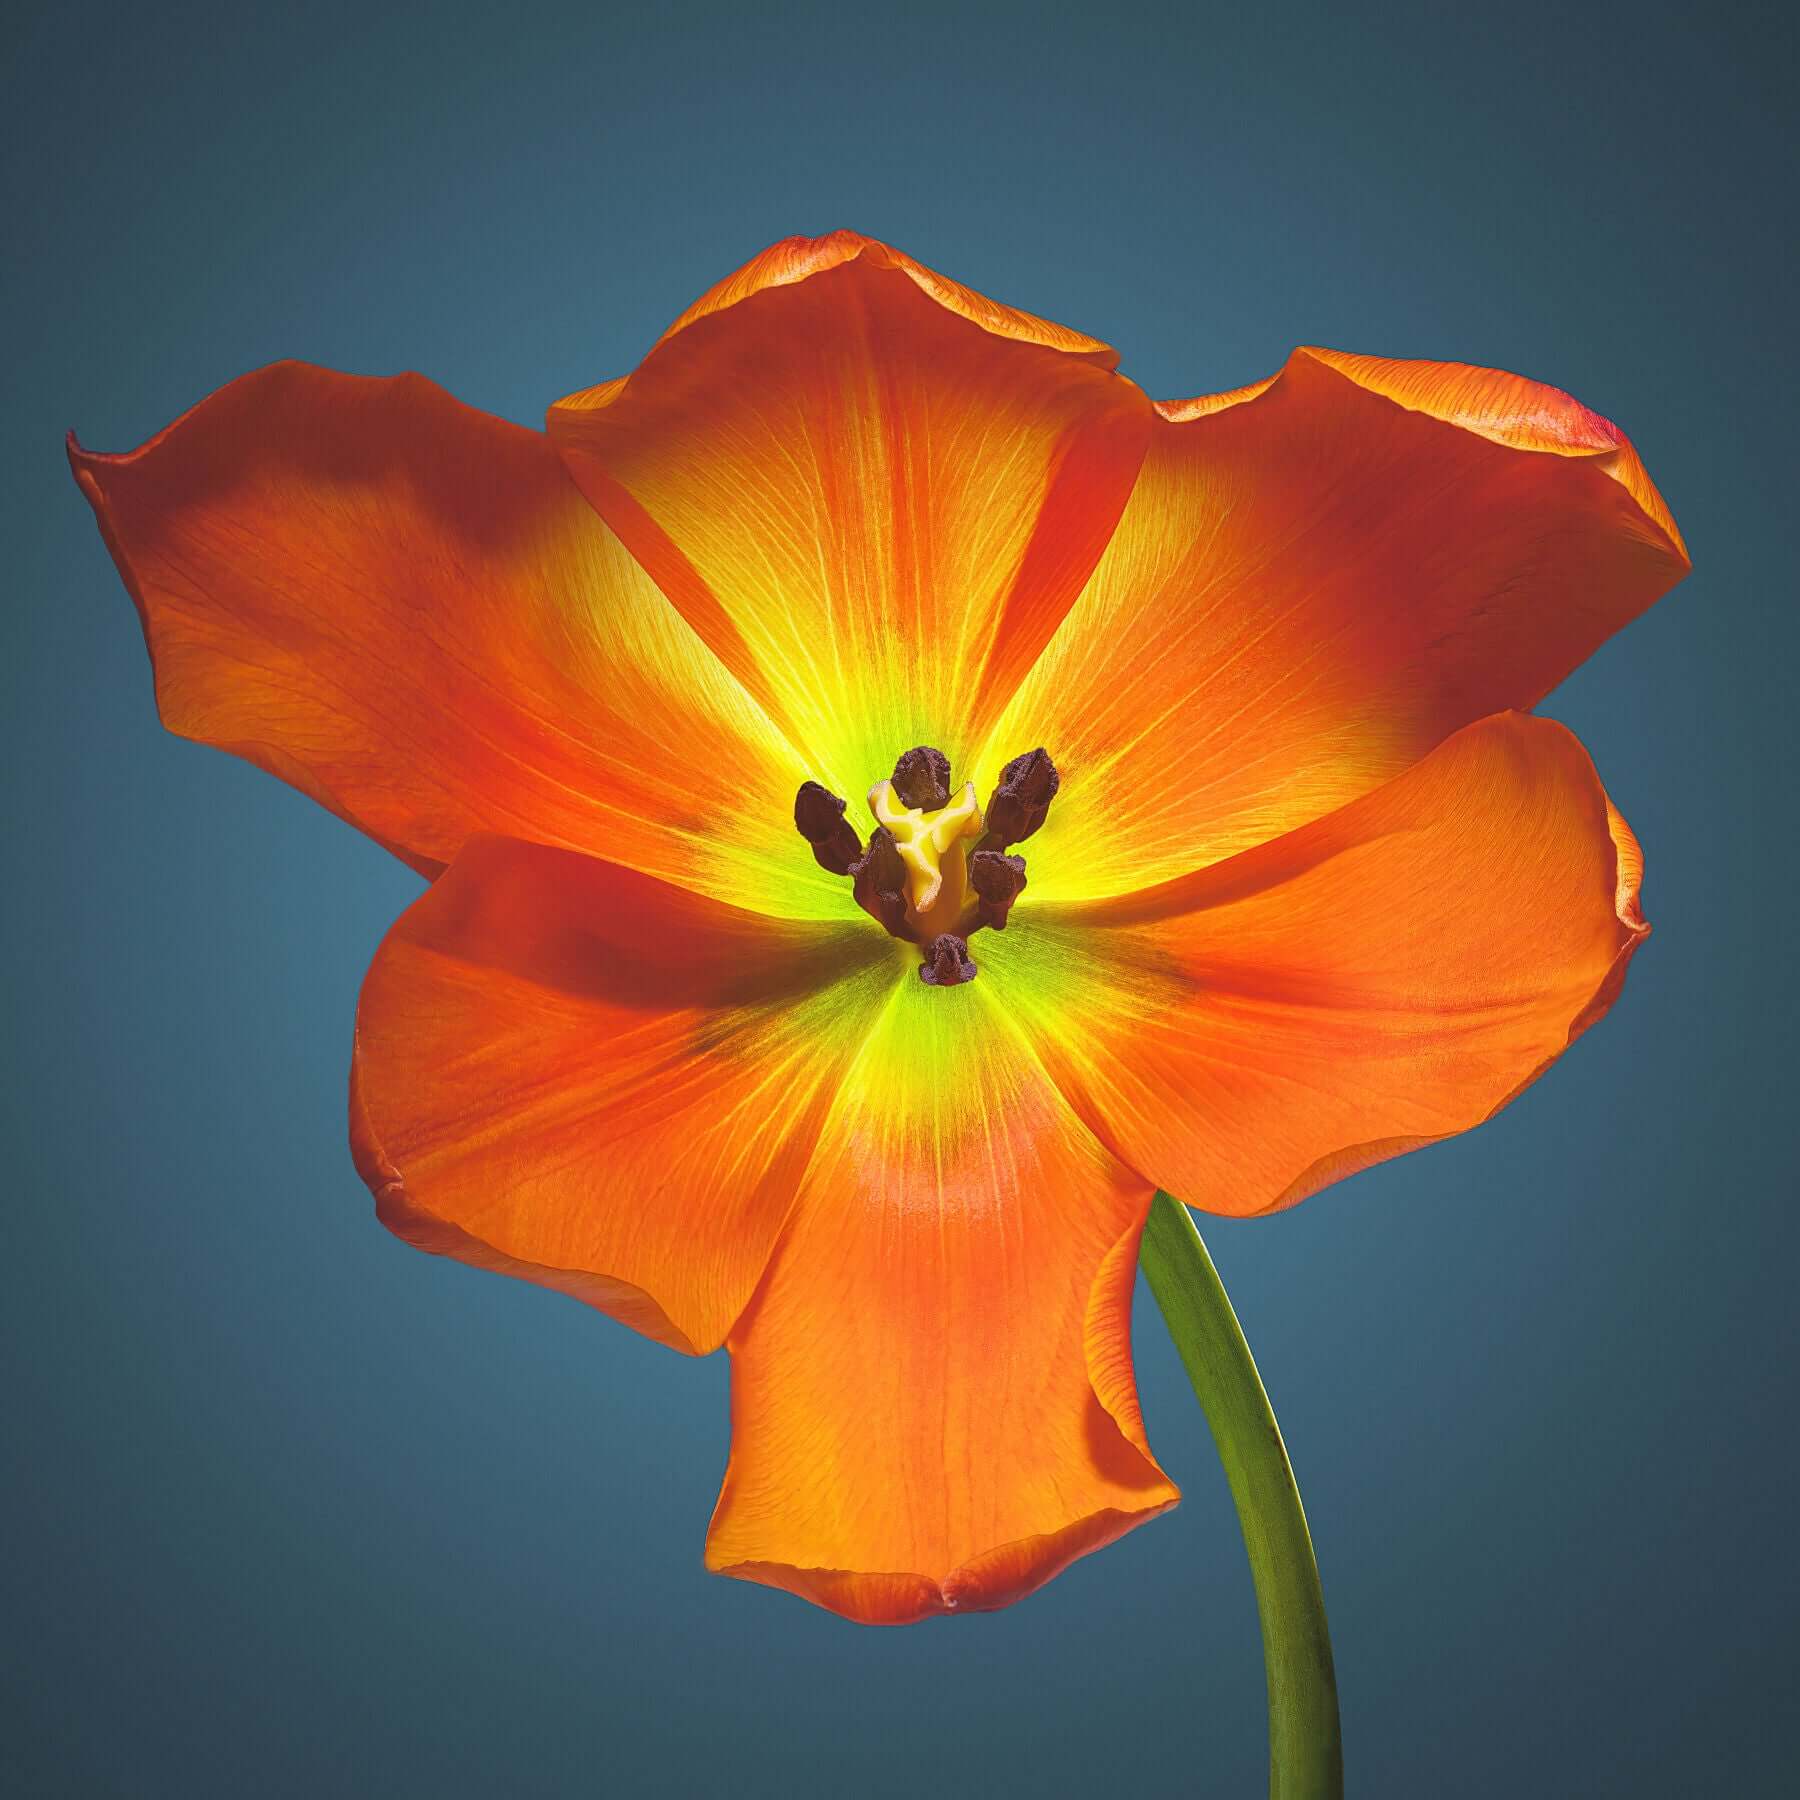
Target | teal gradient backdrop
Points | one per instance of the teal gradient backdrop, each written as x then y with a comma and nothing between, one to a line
293,1510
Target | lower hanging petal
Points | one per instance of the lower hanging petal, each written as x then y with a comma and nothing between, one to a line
570,1072
1392,974
932,1400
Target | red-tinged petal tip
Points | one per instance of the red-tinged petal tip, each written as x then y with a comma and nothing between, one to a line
798,258
1510,410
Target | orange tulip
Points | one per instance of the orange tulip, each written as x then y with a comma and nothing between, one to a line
1295,888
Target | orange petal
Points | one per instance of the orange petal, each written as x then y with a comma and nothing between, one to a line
405,608
1318,578
873,492
1386,976
932,1399
570,1072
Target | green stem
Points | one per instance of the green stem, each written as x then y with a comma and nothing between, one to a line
1306,1758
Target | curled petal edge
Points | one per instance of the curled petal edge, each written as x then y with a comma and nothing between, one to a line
414,1225
1356,1157
1507,409
797,258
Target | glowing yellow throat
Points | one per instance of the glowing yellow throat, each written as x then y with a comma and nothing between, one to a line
934,847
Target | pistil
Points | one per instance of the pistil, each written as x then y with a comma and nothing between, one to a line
934,847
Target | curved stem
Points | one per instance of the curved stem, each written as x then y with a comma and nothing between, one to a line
1306,1759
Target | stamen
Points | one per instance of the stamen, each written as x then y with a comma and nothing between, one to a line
1027,786
998,881
936,869
922,779
947,962
880,878
819,817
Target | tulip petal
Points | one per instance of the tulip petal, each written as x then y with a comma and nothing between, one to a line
871,491
570,1072
404,607
1381,978
933,1407
1318,578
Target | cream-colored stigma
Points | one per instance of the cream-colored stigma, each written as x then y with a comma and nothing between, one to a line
934,846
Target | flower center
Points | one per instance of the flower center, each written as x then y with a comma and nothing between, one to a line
936,867
934,846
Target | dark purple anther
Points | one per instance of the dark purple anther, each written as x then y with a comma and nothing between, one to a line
922,779
819,816
998,881
1027,786
880,878
947,962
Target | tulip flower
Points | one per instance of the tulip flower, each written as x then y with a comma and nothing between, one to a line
893,799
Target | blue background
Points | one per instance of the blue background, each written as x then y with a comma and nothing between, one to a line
290,1509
